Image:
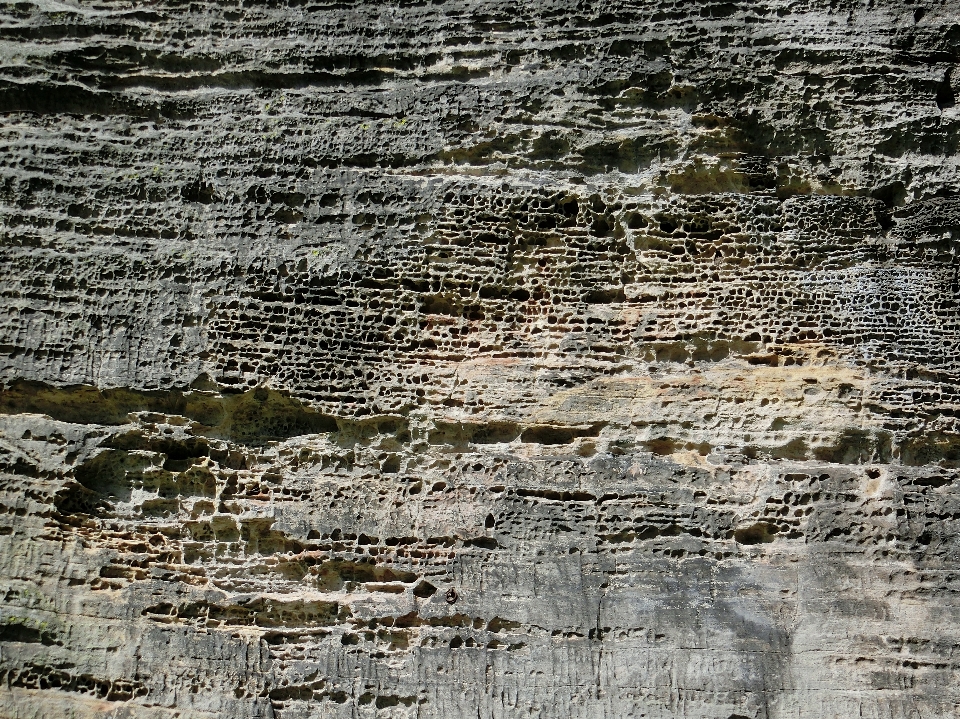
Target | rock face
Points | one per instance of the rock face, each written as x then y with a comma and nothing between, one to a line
480,359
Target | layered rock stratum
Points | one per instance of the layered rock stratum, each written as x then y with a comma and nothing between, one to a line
480,359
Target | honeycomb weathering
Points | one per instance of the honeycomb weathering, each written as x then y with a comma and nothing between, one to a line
480,359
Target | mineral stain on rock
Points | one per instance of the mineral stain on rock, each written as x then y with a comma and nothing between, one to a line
479,359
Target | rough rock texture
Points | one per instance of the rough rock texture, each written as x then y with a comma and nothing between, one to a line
480,359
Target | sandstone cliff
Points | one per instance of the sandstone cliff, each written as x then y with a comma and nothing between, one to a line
474,358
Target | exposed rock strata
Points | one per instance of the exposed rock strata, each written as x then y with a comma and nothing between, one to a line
470,359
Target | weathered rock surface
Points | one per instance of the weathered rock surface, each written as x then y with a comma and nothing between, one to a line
480,359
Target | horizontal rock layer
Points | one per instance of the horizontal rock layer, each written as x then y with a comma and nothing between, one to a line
480,359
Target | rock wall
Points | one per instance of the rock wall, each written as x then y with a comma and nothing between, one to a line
479,359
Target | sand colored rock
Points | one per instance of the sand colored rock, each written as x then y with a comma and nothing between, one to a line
479,359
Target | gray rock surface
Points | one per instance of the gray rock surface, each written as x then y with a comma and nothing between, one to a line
480,359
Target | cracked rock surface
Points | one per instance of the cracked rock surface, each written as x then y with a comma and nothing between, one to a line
455,359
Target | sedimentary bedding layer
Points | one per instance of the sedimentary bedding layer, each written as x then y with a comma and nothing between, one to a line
480,359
